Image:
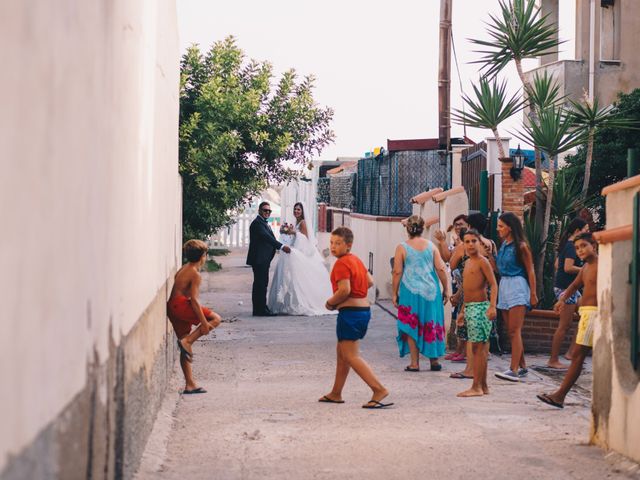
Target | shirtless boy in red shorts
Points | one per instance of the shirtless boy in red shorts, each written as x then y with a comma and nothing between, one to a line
184,309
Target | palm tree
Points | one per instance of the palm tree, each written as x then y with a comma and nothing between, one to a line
489,108
520,31
553,133
544,92
589,117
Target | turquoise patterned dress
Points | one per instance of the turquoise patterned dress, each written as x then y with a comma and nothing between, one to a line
420,309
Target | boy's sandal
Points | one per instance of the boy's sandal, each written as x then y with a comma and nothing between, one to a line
376,404
459,375
326,399
184,353
543,397
194,391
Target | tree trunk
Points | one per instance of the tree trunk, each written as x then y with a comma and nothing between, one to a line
499,142
587,164
547,211
540,202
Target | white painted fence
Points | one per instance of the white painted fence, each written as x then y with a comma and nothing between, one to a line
237,235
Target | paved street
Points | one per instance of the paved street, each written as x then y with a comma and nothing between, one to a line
261,419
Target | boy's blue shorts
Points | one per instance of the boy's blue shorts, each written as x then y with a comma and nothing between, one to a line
352,323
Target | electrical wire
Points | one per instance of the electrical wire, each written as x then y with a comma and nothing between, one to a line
455,57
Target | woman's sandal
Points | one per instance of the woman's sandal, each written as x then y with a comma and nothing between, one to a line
411,369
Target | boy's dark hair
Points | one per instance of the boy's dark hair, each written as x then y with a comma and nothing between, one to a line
478,222
575,224
345,233
262,204
194,249
462,216
587,237
469,231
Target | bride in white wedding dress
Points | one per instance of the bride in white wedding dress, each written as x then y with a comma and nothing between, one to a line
301,283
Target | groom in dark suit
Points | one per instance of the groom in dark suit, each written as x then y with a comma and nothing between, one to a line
262,248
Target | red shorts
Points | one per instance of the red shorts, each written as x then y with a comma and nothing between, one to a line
182,316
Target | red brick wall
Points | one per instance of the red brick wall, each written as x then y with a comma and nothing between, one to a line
537,332
512,192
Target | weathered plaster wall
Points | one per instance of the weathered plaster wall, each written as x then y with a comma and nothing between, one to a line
90,206
379,236
616,386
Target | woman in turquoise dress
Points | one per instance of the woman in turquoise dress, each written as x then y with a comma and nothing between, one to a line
418,273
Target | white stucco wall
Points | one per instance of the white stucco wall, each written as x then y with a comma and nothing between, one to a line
381,238
616,385
89,191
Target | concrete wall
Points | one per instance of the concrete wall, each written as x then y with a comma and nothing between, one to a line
90,206
616,385
379,236
616,64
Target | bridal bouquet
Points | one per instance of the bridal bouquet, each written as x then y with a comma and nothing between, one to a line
287,229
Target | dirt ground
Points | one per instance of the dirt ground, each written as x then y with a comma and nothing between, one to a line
261,419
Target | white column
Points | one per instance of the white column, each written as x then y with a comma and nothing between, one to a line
456,164
494,167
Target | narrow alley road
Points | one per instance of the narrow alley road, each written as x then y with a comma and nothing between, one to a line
261,419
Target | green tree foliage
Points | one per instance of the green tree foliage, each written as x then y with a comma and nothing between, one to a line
237,133
609,151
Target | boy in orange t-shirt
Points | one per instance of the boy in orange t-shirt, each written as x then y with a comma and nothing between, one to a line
350,281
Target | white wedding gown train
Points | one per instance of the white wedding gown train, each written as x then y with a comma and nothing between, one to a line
300,284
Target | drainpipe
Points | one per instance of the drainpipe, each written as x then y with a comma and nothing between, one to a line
592,49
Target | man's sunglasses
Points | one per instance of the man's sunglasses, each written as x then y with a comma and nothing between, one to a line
266,210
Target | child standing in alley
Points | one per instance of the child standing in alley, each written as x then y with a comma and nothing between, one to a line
184,310
517,289
588,310
477,310
350,281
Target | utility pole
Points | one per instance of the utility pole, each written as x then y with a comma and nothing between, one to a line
444,78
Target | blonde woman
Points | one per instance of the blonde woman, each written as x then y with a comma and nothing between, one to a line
420,291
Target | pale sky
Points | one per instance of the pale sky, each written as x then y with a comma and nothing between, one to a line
376,62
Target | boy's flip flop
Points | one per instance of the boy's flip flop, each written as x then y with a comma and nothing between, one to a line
183,351
543,397
376,404
326,399
411,369
459,375
195,390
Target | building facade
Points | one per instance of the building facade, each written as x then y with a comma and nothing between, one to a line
606,58
90,202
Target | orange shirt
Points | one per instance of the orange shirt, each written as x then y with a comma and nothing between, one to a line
351,267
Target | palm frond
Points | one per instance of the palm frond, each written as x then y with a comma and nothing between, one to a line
545,91
588,115
519,32
553,133
490,107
